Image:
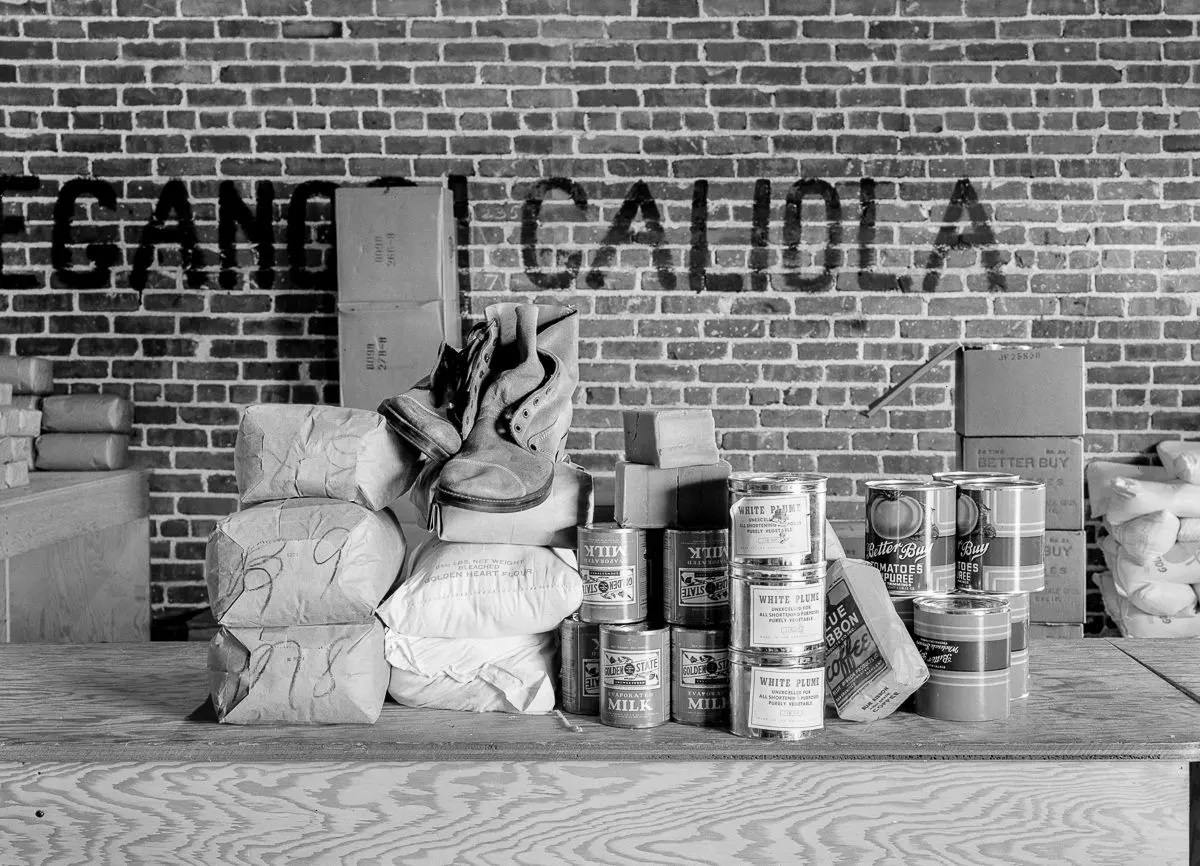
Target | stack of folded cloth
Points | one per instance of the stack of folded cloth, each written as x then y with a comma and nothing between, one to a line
294,579
1151,545
474,624
23,381
84,432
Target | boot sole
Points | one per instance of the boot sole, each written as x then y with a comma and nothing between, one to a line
493,506
413,436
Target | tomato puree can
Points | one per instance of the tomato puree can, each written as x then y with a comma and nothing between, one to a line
910,535
613,567
695,584
580,643
777,519
773,696
964,640
635,662
777,610
700,676
1001,536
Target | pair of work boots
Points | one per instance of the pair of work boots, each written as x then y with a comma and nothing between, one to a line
495,416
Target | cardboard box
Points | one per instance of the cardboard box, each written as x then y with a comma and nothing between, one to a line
396,245
688,497
670,438
1042,630
1056,461
6,393
16,449
1020,391
1064,598
384,349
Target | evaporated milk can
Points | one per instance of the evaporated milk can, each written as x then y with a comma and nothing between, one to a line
773,696
580,642
1001,536
695,577
700,676
964,640
613,567
635,664
777,519
910,535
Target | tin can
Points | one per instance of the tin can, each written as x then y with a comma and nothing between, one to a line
778,611
964,640
773,696
700,676
1018,642
580,666
777,519
695,584
910,535
634,664
904,606
613,566
964,476
1001,536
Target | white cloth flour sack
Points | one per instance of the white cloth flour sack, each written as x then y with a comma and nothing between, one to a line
456,589
1137,623
1144,585
1133,497
507,674
1181,459
1146,536
1102,474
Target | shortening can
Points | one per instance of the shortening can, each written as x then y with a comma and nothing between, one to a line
910,535
777,610
1001,536
635,662
777,519
964,640
700,676
580,643
613,567
774,696
696,577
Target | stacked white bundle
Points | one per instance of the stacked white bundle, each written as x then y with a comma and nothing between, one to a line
1151,516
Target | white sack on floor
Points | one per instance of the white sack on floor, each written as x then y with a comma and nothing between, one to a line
302,562
1189,529
508,675
1133,497
1137,623
1181,459
285,452
1101,474
1146,536
456,589
1142,586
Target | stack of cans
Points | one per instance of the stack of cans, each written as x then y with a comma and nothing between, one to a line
777,604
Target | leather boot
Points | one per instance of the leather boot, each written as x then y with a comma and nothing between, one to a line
507,459
424,415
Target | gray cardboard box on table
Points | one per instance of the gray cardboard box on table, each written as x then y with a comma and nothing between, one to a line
1032,391
670,438
1055,461
384,349
687,497
1064,598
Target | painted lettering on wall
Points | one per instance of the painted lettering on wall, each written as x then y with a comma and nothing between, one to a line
249,222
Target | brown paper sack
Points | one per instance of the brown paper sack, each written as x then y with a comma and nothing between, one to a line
302,562
87,413
284,452
27,375
314,674
81,452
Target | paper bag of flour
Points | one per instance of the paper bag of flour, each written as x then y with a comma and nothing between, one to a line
87,413
871,662
310,674
284,452
302,562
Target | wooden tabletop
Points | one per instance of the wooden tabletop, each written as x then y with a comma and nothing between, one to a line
143,702
58,505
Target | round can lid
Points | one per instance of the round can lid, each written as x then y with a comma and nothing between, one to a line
965,476
642,627
721,633
1002,485
780,574
907,484
608,526
814,658
961,605
777,482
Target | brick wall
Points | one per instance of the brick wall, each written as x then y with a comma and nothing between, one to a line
774,207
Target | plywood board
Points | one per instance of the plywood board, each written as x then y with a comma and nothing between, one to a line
60,505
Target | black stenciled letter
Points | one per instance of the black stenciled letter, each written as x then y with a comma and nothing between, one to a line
980,235
868,279
699,257
638,200
793,231
15,225
173,204
259,226
297,233
102,256
760,226
530,215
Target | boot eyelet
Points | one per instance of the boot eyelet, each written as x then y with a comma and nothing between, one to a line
525,412
532,446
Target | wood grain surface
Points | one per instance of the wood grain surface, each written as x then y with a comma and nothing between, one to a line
104,702
1172,659
93,587
59,505
1003,812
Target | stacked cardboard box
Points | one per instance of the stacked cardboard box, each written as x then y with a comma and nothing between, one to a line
1020,410
23,381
